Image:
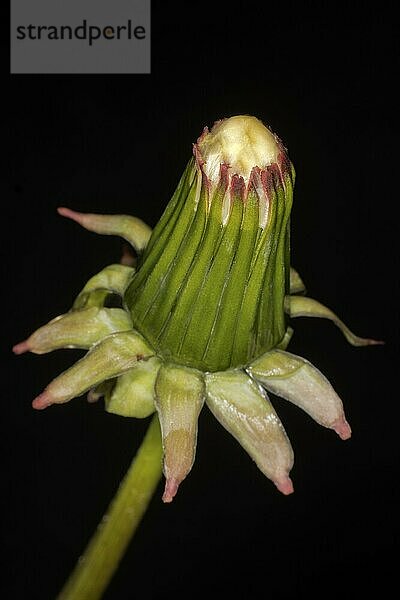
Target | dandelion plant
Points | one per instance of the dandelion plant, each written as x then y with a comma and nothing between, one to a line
207,302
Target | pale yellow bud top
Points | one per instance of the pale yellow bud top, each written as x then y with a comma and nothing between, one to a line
242,142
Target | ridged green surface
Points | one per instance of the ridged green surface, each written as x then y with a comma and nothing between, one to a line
220,347
200,328
210,289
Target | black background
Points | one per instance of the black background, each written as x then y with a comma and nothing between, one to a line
323,79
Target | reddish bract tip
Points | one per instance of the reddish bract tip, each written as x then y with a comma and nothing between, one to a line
285,485
224,176
21,347
342,428
71,214
255,177
238,187
276,175
267,181
284,165
171,487
42,401
196,152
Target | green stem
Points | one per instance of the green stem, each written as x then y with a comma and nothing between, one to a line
106,548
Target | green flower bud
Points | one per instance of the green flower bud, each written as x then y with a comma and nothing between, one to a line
205,311
203,293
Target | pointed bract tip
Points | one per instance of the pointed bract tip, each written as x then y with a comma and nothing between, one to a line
375,342
42,401
171,487
342,428
71,214
21,347
238,186
285,485
64,211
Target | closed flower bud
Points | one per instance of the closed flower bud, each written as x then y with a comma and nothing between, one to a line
206,310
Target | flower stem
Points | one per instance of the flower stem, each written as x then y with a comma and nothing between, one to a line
100,560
